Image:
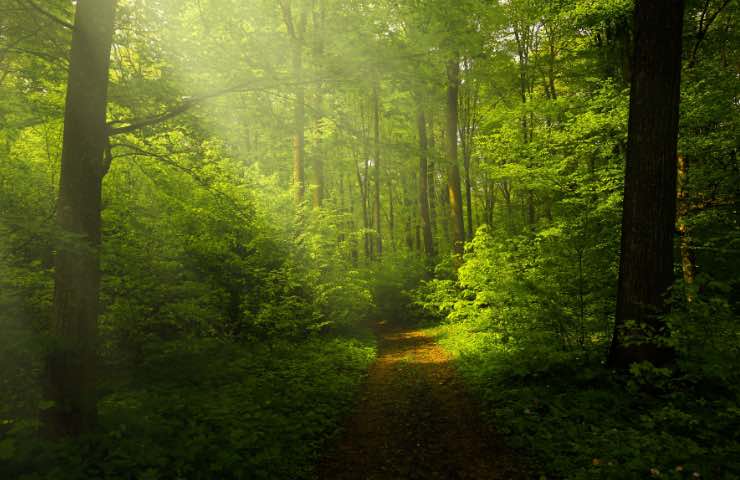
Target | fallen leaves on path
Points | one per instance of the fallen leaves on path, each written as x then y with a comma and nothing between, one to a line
415,421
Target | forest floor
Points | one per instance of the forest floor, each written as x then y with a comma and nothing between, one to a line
414,420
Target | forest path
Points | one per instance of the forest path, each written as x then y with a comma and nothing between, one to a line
415,421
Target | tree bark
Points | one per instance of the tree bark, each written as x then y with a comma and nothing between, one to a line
431,180
468,105
423,185
317,180
354,253
297,34
299,142
364,184
648,222
71,362
453,178
376,158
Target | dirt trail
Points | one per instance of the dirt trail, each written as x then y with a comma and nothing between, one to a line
414,421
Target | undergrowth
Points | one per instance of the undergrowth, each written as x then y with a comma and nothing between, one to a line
576,419
207,409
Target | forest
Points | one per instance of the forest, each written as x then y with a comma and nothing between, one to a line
369,239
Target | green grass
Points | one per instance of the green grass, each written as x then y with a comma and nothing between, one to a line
575,419
203,409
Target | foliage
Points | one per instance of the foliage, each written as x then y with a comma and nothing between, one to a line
208,408
229,311
580,420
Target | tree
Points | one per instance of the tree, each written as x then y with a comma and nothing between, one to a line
649,210
297,33
71,362
468,112
453,178
376,169
423,184
317,178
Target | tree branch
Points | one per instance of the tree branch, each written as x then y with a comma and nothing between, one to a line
49,15
136,151
701,33
173,112
185,105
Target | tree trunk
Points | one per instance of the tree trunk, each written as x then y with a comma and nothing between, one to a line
364,184
299,142
468,125
342,212
468,196
506,194
391,217
453,178
423,185
490,201
648,222
297,34
376,158
354,254
317,177
432,180
71,363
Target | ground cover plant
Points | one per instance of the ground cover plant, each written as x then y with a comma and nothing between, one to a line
225,225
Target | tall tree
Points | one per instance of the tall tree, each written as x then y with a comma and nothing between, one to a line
297,33
317,177
649,211
453,177
376,161
468,125
426,222
71,362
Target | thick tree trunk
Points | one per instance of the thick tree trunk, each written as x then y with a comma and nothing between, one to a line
453,178
71,362
646,261
376,159
423,185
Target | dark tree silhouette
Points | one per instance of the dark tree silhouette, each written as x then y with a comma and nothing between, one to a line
648,223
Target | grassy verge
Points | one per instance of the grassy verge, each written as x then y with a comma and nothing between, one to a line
202,409
576,419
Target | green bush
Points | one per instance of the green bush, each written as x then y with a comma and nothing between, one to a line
201,409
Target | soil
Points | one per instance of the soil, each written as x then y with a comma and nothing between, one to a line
414,420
